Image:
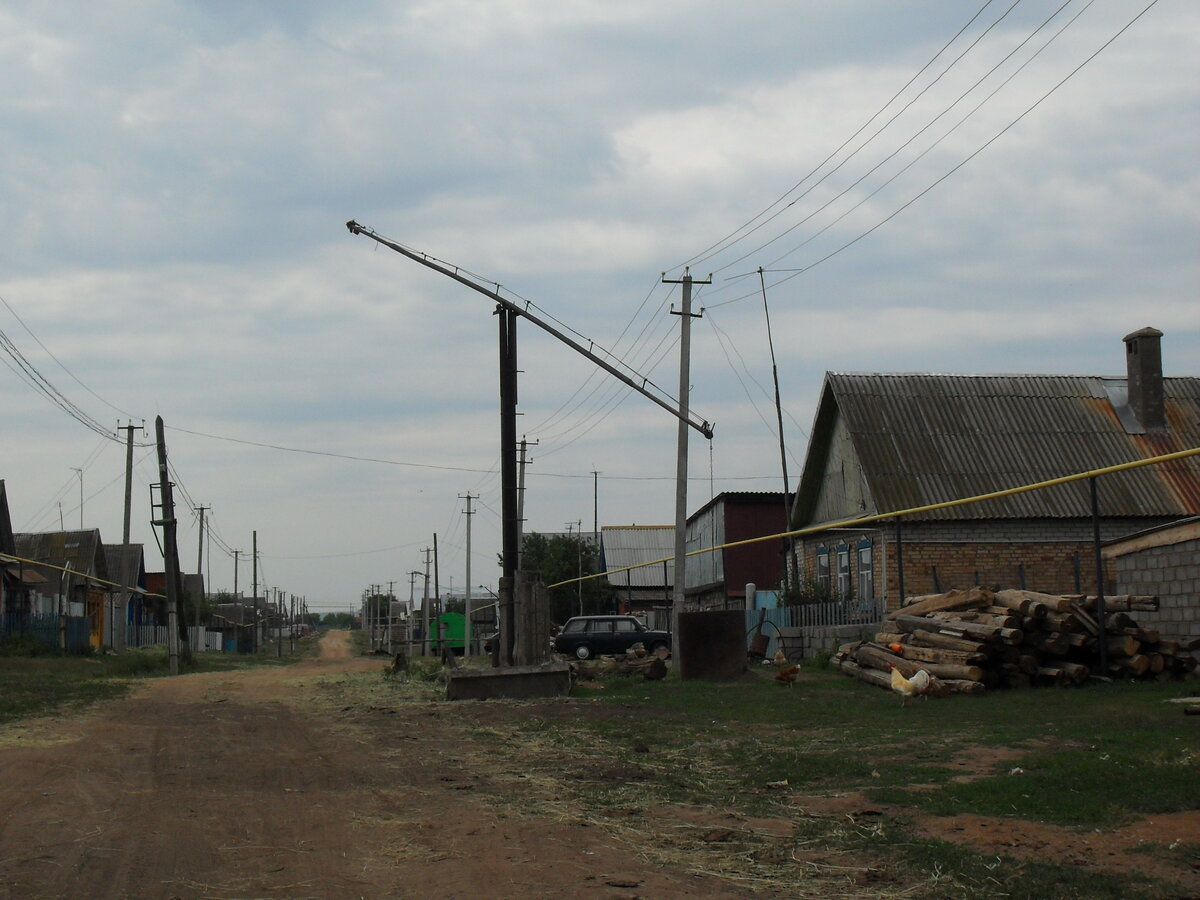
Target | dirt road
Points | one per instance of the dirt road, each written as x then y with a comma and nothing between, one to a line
258,784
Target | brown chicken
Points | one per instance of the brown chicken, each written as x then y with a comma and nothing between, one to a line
788,676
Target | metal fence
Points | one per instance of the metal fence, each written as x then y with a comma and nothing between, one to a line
48,629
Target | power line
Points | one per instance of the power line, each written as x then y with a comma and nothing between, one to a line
729,240
801,270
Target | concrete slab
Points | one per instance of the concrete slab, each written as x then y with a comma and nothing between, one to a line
511,682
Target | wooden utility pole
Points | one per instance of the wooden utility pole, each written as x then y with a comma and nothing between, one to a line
681,459
170,549
788,575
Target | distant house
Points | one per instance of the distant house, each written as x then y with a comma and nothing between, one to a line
893,442
1163,562
718,580
641,590
75,576
127,602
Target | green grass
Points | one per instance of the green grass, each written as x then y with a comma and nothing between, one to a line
35,687
39,685
1085,758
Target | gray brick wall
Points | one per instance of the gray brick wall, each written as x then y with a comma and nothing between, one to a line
1172,573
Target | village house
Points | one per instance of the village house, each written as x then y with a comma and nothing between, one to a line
892,442
75,580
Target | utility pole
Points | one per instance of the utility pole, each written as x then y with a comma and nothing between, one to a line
681,460
170,549
521,463
79,472
788,575
128,501
426,646
467,595
596,519
200,568
254,585
437,587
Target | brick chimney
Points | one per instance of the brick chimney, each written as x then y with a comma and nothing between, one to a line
1143,359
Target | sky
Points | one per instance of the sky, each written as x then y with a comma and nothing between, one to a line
927,185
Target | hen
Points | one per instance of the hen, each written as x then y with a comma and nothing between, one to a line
788,676
916,686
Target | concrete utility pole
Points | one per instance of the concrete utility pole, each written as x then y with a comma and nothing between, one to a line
254,584
170,549
426,647
681,460
200,569
522,462
467,594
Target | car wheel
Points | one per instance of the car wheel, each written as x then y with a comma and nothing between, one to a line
658,645
583,651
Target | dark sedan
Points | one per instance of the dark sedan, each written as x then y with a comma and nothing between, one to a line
586,636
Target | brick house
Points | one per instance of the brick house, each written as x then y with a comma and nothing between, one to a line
891,442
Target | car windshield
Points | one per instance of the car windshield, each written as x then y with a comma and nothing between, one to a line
575,626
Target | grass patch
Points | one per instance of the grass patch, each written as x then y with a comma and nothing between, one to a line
1092,758
38,687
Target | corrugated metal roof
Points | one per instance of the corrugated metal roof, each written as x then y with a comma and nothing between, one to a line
630,545
925,439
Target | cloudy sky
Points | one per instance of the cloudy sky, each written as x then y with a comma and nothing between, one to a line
928,185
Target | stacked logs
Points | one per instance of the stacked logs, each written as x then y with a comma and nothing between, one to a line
973,640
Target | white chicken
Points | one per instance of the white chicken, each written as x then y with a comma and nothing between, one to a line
917,686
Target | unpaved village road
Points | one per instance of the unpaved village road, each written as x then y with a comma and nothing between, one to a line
257,783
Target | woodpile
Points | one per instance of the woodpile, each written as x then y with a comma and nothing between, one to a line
636,661
970,641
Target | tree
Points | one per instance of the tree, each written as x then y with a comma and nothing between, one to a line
563,557
333,620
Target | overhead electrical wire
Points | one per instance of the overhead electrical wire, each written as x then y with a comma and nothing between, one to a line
729,240
909,141
793,273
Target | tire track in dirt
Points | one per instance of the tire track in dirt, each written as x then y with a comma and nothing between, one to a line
227,785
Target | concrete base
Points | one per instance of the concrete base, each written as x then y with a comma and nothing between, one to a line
511,683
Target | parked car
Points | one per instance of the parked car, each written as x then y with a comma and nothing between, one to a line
586,636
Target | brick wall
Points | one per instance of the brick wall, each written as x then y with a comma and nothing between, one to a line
1052,556
1172,573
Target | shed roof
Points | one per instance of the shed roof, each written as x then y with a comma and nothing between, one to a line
928,438
632,545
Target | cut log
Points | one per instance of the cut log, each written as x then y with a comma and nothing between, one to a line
971,599
875,657
949,642
960,629
1123,645
941,655
1056,602
870,676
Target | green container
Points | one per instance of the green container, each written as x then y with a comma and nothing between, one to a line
449,626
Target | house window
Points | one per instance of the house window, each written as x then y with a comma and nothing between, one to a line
823,569
865,572
843,571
